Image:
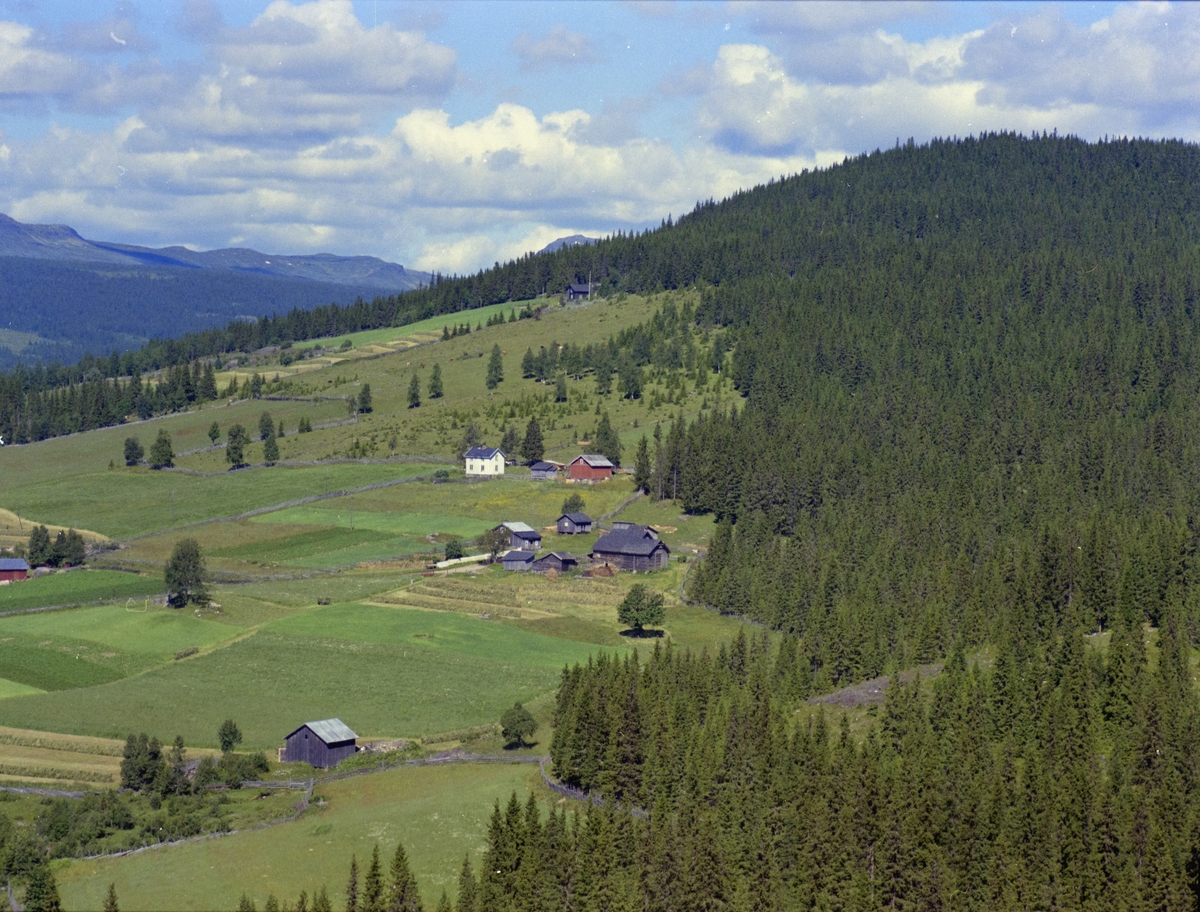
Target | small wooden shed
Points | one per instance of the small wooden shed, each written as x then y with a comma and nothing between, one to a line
13,569
521,536
321,744
574,524
590,467
517,560
576,290
560,561
543,471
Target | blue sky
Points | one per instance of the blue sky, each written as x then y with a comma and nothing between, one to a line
451,135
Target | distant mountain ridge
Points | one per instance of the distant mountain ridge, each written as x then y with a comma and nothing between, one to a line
62,243
574,240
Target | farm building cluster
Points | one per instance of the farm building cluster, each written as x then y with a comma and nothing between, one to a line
628,546
588,468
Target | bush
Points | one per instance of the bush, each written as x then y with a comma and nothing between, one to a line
454,549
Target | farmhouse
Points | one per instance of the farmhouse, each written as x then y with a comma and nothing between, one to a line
590,467
577,291
555,560
321,744
13,568
521,536
543,471
574,524
634,548
517,560
486,462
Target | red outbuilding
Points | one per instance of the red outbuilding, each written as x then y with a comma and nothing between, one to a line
590,467
12,569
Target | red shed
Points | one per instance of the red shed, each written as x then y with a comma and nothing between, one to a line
590,467
13,568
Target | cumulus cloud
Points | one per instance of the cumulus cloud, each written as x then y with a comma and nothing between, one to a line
31,72
559,47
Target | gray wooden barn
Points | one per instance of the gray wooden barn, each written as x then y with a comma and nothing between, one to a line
517,560
632,548
561,561
543,471
321,744
574,524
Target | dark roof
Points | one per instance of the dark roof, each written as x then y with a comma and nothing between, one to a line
543,467
522,556
528,536
481,453
627,541
561,555
13,563
330,731
577,518
581,288
595,460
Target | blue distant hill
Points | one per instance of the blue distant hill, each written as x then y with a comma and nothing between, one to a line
62,295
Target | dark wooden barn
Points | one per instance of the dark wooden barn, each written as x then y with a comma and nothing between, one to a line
13,569
517,560
521,536
321,744
590,467
543,471
561,561
637,549
574,524
575,291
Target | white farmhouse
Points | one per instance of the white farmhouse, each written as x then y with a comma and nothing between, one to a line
484,461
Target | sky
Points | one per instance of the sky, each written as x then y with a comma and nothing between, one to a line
448,136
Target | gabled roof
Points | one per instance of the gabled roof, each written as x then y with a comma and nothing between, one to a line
561,555
634,542
13,563
517,527
577,518
482,453
577,287
328,730
543,467
522,556
595,460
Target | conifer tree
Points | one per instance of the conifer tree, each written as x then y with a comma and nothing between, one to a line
266,426
642,467
414,391
134,451
403,895
468,888
495,369
435,382
372,894
110,899
606,440
270,450
235,446
532,446
214,433
560,388
352,886
364,399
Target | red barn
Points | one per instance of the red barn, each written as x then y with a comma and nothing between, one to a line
13,568
590,467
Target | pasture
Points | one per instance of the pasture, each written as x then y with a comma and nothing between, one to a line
440,813
398,674
78,587
84,647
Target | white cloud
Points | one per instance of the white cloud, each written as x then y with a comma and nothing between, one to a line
28,71
559,47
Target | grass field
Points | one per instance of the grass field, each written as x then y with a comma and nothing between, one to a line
83,647
76,588
409,674
132,502
440,813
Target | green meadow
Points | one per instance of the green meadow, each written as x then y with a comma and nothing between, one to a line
76,588
384,671
440,813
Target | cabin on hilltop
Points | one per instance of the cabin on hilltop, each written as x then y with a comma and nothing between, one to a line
576,291
319,744
632,547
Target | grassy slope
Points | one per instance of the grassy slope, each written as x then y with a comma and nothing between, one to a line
76,587
382,680
440,813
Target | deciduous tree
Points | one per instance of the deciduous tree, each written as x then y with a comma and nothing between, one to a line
185,575
162,455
